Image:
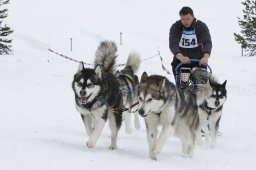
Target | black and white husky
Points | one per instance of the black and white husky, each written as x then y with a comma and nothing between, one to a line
160,103
98,95
210,110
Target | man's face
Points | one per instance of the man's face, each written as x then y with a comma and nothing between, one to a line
187,20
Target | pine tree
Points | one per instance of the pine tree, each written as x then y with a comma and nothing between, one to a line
5,43
247,39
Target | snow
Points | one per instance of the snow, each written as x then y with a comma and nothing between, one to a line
39,125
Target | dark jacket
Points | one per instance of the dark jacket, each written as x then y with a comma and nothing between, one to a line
203,38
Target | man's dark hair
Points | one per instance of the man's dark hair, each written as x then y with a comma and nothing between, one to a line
186,10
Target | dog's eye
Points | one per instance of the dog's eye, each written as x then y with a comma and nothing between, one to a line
140,98
80,84
149,100
90,85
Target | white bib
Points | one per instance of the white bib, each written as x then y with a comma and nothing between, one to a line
188,39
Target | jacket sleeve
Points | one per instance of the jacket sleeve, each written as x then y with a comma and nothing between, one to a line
174,39
205,38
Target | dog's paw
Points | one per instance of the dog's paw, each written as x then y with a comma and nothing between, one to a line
190,155
111,147
90,144
185,155
156,151
153,157
219,133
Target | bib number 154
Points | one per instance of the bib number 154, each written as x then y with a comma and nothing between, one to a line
188,42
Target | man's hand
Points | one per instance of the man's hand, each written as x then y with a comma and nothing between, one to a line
204,59
183,59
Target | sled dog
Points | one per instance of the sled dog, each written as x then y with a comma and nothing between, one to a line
97,94
160,103
129,87
210,110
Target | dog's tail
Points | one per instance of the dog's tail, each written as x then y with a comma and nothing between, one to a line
203,92
106,56
202,76
133,61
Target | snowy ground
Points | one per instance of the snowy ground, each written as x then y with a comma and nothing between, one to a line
39,125
40,128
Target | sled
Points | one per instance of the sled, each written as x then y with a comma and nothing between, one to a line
184,73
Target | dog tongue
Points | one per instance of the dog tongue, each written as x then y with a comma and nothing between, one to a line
83,98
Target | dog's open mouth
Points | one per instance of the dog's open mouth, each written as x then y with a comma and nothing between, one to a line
85,99
146,114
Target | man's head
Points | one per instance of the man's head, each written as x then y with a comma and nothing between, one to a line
186,16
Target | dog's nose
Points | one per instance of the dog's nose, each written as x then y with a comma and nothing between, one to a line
82,93
217,103
141,112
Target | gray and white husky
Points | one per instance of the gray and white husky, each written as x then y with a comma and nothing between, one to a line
210,110
129,86
160,103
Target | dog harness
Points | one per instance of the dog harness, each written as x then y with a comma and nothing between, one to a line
123,109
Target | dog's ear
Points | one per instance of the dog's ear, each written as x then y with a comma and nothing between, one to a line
210,82
80,67
98,72
162,83
224,84
144,77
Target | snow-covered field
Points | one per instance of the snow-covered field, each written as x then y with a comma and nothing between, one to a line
39,125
